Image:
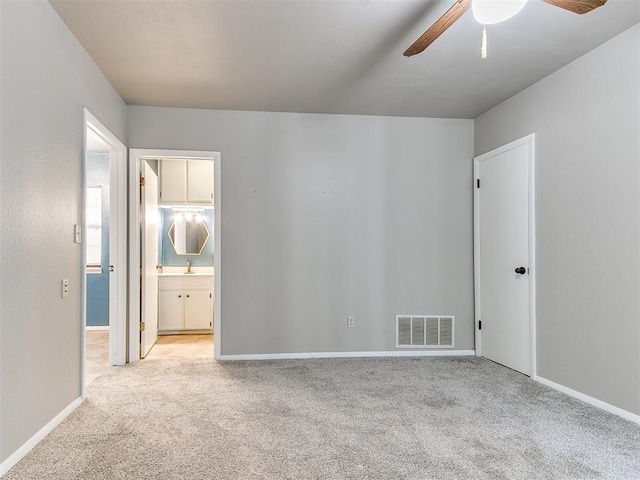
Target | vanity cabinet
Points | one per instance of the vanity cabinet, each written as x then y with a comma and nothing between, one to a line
186,182
185,302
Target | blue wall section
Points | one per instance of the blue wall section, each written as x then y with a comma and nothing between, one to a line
98,284
168,254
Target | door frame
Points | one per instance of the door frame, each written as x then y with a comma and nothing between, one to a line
117,243
136,156
528,140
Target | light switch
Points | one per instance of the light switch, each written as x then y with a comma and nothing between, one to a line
77,233
65,287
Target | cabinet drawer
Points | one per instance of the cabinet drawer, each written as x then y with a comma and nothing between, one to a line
186,282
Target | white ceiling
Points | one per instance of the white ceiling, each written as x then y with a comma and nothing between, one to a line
328,56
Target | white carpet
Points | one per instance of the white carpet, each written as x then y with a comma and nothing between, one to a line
401,418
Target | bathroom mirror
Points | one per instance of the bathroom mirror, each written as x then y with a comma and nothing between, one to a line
188,234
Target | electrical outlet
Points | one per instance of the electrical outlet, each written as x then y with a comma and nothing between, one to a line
351,322
65,287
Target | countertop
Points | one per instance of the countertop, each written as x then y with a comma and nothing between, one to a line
183,274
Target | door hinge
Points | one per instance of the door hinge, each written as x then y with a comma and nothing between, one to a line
142,181
211,324
212,196
478,183
480,325
142,326
211,295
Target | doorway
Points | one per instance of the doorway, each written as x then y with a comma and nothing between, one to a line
504,255
175,276
103,237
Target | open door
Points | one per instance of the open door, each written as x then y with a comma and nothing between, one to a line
104,245
149,246
143,276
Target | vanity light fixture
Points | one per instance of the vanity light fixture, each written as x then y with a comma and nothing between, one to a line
194,213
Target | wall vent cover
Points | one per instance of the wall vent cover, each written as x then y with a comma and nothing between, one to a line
425,331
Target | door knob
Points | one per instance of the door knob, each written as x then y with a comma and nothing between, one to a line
521,270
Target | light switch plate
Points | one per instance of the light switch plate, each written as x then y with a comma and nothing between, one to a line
65,287
77,234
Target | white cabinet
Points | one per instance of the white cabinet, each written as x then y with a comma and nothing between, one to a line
185,302
186,182
197,310
173,181
199,181
170,310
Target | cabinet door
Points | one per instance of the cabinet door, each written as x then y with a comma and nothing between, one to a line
173,181
200,181
197,310
170,310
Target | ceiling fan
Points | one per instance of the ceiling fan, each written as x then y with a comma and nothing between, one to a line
488,12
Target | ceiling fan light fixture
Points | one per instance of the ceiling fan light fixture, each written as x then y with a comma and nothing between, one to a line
488,12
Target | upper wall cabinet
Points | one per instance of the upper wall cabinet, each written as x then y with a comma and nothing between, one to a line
186,182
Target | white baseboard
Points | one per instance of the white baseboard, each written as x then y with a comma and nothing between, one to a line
392,353
33,441
197,331
590,400
97,327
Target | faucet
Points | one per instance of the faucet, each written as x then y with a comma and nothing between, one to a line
188,265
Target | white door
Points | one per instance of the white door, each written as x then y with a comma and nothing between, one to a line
502,228
149,244
114,291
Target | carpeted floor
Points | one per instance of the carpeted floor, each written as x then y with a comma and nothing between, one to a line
401,418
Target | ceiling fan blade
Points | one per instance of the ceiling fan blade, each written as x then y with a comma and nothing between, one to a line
577,6
438,28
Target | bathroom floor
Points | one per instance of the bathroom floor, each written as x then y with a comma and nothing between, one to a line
182,346
167,346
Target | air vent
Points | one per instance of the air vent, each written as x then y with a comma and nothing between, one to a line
425,331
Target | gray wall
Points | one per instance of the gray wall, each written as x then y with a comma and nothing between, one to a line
586,120
325,216
46,80
97,173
